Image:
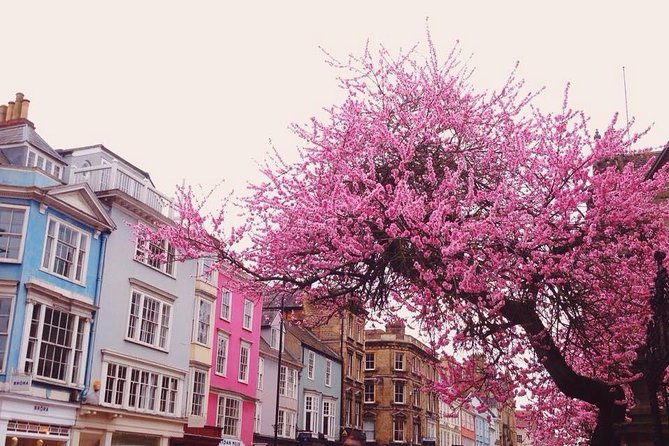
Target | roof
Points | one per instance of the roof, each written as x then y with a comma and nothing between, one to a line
66,152
310,340
274,301
24,132
268,317
285,356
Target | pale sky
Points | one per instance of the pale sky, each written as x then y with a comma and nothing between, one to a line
195,90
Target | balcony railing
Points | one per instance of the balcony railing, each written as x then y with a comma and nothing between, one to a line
114,176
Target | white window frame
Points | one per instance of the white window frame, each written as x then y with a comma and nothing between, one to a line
397,420
226,303
367,361
257,420
6,333
287,421
199,324
331,416
205,272
314,412
247,320
328,373
404,391
244,362
261,373
275,337
221,362
311,364
365,429
26,212
373,394
402,361
34,351
143,255
163,308
221,418
37,156
203,394
49,268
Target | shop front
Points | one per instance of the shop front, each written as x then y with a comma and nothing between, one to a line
27,420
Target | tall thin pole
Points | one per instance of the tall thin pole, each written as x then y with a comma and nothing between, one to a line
278,377
627,112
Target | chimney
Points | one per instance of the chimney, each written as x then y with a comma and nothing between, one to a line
24,109
10,110
3,113
16,113
395,325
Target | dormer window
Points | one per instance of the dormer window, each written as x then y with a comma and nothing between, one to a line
52,167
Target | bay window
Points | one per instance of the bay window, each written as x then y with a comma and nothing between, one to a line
198,392
55,347
203,321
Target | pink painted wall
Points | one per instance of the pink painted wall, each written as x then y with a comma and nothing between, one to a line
230,383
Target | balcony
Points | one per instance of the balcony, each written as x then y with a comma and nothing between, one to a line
114,176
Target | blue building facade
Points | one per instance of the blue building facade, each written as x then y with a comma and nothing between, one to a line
52,242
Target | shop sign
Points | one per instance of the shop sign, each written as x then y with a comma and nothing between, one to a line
230,442
20,383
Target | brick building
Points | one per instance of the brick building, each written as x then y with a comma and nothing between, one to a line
399,408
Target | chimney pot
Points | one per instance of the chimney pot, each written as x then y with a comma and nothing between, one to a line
3,113
25,104
16,113
10,110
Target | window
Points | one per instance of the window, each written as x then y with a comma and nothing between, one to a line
149,321
203,322
244,355
431,429
199,392
329,427
358,368
368,429
399,392
415,367
311,413
229,416
248,314
311,406
519,438
399,361
398,430
5,318
358,412
288,382
350,326
274,338
416,432
286,426
206,270
328,373
221,353
225,305
65,251
416,396
158,254
55,346
349,369
261,372
311,362
136,389
257,419
12,227
369,361
45,164
369,391
349,410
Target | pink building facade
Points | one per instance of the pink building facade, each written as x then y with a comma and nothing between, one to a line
234,372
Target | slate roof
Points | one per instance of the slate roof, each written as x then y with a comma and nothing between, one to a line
285,356
310,340
24,132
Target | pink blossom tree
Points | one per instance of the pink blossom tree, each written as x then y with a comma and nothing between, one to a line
507,231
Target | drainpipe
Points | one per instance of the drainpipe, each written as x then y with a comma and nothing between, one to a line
94,325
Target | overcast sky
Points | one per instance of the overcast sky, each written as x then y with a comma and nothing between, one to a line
195,90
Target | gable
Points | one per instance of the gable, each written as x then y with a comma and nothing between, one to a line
79,201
